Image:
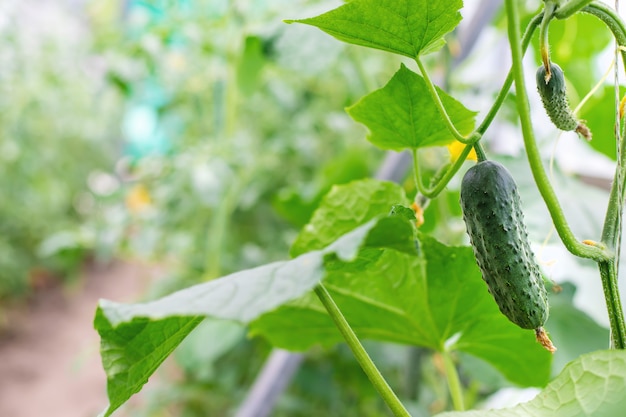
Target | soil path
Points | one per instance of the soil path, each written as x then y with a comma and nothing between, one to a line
49,361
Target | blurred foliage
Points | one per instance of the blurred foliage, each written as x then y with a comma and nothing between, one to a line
50,142
230,143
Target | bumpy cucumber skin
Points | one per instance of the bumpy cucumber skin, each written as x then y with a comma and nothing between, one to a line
495,224
554,98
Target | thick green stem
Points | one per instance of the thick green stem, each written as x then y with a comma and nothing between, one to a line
454,383
611,230
610,238
360,354
612,222
576,247
608,273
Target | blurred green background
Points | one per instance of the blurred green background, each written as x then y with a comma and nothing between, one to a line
199,136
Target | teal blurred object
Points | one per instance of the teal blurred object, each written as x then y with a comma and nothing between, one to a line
143,133
143,127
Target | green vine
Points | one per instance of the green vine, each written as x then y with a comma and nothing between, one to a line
600,252
611,230
576,247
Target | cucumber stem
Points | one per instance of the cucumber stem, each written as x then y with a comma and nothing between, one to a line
360,354
480,152
544,45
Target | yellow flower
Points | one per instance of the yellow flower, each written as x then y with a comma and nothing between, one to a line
419,214
138,199
621,107
455,149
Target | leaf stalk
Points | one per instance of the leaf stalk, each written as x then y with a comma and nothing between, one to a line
454,383
360,353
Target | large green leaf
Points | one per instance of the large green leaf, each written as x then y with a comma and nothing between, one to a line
437,300
593,385
405,27
137,338
344,208
403,115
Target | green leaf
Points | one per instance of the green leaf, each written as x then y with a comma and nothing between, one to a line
592,385
405,27
573,331
403,115
133,350
438,300
599,114
137,338
344,208
403,211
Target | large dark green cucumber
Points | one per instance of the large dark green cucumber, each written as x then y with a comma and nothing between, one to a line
554,98
495,224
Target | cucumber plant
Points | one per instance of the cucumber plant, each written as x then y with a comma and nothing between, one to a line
367,274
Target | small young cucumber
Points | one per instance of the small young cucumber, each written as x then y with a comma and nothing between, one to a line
495,224
554,97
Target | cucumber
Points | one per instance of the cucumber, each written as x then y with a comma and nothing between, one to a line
495,224
554,98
